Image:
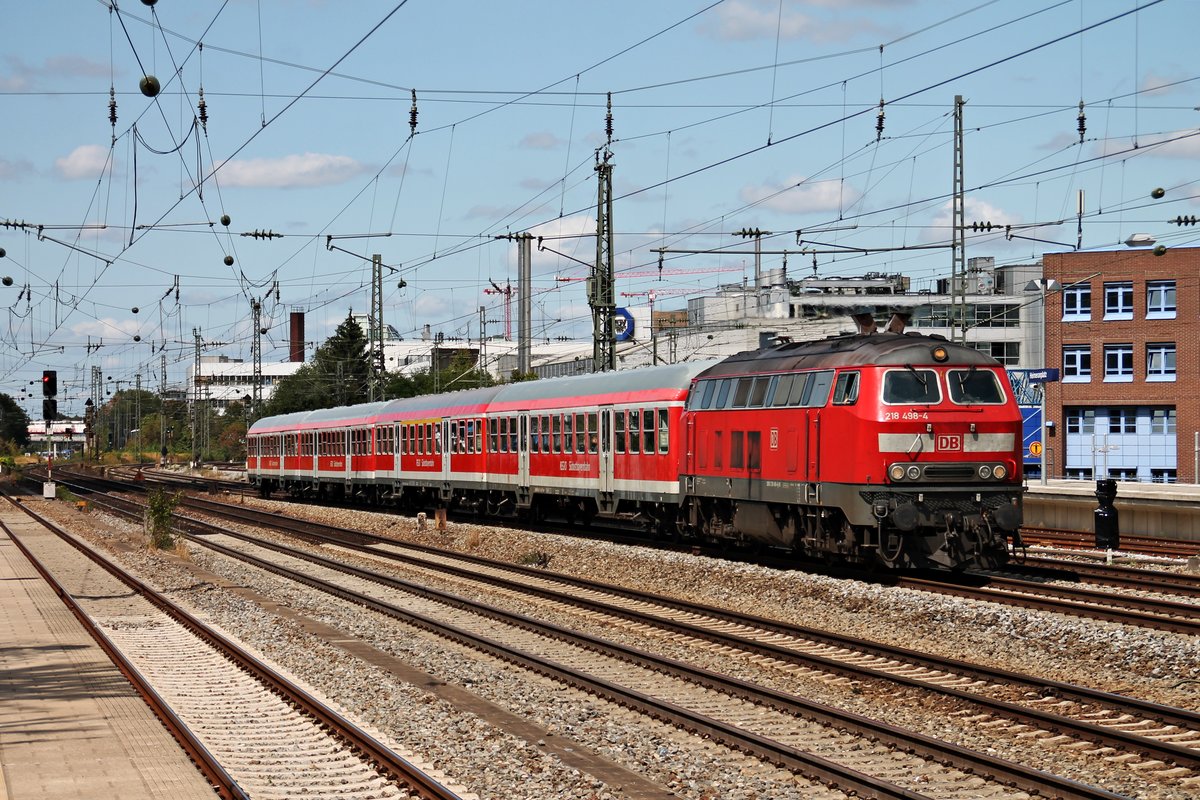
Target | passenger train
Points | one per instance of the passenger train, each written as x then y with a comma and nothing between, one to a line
876,448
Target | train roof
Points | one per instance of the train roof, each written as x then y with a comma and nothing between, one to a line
615,386
852,350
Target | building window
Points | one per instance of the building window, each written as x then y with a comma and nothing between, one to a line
1162,475
1123,473
1118,363
1077,363
1077,303
1118,300
1160,361
1081,420
1079,474
1007,353
1122,420
1162,420
1160,300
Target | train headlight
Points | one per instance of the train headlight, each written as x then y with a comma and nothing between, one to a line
940,354
985,472
1000,472
897,472
914,473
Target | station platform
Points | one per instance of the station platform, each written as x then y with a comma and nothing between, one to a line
1166,510
71,726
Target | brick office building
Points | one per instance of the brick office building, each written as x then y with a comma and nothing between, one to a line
1121,328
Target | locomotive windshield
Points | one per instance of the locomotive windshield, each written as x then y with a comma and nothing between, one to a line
974,386
911,385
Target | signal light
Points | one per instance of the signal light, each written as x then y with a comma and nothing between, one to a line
49,383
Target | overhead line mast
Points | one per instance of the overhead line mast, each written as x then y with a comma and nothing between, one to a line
600,288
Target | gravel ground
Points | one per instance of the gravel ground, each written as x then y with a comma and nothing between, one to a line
1158,666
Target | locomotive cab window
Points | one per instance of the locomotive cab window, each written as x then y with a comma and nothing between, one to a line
845,391
911,385
971,386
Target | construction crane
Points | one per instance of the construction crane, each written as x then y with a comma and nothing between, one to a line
507,291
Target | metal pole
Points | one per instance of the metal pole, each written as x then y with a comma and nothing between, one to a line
1042,455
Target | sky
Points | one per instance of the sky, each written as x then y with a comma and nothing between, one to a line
725,116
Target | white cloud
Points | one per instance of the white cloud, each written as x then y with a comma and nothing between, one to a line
974,210
14,170
85,161
748,20
542,140
290,172
797,197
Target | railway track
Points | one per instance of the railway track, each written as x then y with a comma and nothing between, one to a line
254,732
763,642
1083,540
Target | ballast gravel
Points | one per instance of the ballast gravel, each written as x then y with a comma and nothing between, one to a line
1157,666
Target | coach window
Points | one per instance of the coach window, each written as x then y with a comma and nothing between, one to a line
534,441
619,429
664,431
593,432
909,385
556,430
709,388
493,435
477,438
817,391
512,435
758,392
845,391
648,432
635,431
580,433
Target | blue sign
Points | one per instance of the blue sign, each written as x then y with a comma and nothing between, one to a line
622,324
1042,375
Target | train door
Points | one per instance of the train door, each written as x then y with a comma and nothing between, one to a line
448,433
606,449
523,454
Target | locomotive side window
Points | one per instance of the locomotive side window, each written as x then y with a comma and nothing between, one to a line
758,392
722,394
817,391
772,385
782,388
911,386
845,391
799,386
664,431
619,430
709,388
974,386
741,395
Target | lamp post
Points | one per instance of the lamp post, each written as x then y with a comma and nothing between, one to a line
1045,285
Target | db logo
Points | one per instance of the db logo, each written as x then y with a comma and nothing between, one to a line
774,438
946,441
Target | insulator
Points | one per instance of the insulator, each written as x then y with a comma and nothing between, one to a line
112,107
412,114
608,126
879,122
1082,122
203,108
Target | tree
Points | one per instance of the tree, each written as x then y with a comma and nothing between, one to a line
339,375
14,424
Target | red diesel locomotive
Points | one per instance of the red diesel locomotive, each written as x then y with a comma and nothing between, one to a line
882,448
